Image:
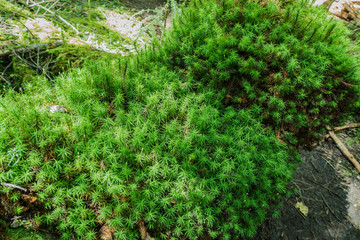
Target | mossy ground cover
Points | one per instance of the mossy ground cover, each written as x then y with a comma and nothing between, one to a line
141,147
24,24
289,62
163,139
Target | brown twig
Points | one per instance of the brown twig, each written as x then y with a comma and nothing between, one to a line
62,19
351,125
327,205
346,83
325,187
343,149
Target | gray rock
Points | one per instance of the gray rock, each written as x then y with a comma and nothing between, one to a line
57,108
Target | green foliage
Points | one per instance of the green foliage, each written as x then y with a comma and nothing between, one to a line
140,146
164,137
293,65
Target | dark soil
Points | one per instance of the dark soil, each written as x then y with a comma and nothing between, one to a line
323,189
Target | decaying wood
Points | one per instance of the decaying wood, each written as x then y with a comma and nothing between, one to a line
349,13
14,186
40,46
351,125
352,11
143,231
344,150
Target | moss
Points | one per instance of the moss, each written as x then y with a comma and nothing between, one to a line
141,144
73,56
13,9
24,234
292,64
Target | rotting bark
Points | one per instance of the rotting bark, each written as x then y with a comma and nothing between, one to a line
349,13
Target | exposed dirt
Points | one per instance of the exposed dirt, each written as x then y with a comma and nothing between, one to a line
330,189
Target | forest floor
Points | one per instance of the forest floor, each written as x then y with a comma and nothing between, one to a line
329,187
328,203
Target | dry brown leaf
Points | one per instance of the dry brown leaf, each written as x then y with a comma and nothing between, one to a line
29,198
106,233
302,208
143,231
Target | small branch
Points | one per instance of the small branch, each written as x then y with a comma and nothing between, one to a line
38,3
14,186
62,19
5,80
333,213
346,84
351,125
344,150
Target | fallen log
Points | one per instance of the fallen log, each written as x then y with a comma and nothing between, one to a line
25,49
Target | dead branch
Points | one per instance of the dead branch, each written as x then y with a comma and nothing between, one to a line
143,231
351,125
347,84
62,19
344,150
38,3
5,80
14,186
30,48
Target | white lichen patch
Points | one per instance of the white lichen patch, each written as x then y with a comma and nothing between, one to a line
125,25
43,29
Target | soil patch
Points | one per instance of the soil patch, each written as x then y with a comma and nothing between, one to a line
326,182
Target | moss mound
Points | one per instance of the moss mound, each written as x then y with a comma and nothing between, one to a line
290,63
163,142
140,148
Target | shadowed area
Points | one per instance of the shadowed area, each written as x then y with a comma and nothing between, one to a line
324,191
142,4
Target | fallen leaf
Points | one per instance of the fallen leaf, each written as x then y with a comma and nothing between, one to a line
302,208
29,198
106,233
